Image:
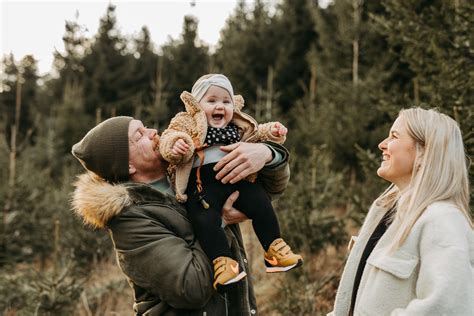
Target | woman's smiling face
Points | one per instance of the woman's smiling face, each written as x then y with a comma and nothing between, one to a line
398,155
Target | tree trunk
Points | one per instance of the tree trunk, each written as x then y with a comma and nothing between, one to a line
312,93
356,5
12,162
416,90
98,115
158,91
258,106
269,101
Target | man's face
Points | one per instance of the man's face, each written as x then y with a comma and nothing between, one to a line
143,154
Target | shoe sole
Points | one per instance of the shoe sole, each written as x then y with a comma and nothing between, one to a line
284,269
237,278
226,286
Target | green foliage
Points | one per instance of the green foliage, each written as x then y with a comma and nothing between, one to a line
53,292
307,294
184,61
70,64
39,197
98,297
247,48
312,207
108,65
67,128
26,73
435,39
296,35
144,72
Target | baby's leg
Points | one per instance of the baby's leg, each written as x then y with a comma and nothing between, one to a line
208,230
207,223
256,204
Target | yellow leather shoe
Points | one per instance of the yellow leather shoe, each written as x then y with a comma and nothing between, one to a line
280,258
226,272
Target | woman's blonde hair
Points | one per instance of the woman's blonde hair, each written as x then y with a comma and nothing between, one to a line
439,172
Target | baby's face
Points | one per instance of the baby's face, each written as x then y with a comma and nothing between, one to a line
218,106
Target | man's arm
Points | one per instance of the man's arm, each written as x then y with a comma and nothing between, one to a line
244,159
158,259
275,177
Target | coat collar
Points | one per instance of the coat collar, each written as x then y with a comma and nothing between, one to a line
97,201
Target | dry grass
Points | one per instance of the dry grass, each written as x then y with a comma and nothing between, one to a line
316,286
106,292
265,284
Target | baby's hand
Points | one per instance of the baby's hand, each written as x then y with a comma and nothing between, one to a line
180,147
278,130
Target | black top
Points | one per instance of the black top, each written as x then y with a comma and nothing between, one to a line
371,243
222,135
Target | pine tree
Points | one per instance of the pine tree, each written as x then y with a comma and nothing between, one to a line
69,64
144,72
229,56
434,38
184,61
296,35
108,67
246,51
26,73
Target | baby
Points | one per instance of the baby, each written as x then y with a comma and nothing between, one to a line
191,143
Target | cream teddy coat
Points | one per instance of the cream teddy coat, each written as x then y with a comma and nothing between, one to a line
191,126
430,274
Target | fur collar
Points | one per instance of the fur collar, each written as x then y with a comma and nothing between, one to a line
97,201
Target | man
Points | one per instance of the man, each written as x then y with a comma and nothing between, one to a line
126,191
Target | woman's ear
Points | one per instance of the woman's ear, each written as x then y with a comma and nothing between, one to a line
420,151
131,169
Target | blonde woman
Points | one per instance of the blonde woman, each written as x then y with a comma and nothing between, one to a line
415,251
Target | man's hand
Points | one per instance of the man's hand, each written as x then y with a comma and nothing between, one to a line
180,147
231,215
242,160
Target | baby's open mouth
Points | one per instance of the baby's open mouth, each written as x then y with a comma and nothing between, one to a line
218,116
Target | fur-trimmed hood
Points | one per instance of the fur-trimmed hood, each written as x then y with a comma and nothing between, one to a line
97,201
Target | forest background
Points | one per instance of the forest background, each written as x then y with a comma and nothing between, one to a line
337,77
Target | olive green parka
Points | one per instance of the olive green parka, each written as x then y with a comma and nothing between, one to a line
157,250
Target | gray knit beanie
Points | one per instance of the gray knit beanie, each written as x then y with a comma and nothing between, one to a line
104,149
